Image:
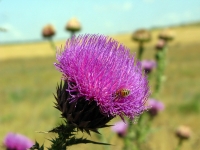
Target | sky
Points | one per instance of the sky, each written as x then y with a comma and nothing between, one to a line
24,19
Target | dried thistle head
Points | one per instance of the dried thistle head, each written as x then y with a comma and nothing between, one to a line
167,34
48,31
183,132
73,25
141,35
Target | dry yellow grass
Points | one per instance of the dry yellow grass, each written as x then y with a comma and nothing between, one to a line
183,35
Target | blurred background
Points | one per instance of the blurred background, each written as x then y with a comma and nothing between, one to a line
30,32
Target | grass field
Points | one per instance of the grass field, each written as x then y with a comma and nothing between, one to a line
28,80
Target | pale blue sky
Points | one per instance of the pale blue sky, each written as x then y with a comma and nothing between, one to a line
24,19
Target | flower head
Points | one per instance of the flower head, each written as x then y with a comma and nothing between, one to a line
155,107
120,128
99,69
160,44
17,142
73,25
141,35
183,132
48,31
167,34
148,65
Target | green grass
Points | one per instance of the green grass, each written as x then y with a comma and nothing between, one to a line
27,87
190,105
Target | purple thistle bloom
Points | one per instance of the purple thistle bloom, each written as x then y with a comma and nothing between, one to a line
148,65
100,69
120,128
17,142
155,107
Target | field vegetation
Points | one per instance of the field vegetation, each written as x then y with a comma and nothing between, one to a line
28,80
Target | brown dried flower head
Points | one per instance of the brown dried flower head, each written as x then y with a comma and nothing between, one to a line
73,25
183,132
167,34
141,35
48,31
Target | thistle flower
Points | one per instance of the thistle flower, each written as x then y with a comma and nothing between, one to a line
99,74
148,65
155,107
120,128
17,142
141,35
48,31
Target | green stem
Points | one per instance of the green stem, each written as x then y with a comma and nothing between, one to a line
161,65
128,139
72,33
180,142
139,131
53,46
140,50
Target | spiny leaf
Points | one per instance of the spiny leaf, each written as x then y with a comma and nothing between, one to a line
36,146
74,140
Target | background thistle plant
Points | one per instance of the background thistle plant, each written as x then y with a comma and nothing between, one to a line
161,57
183,133
48,32
141,36
13,141
73,26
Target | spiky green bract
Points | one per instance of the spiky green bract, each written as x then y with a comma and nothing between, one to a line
85,115
67,133
66,136
98,67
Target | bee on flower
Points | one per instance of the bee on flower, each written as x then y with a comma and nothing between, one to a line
122,93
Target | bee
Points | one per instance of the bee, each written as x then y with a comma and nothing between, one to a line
121,93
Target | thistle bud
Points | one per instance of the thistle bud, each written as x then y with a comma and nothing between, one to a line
120,128
141,35
160,44
17,142
183,132
155,107
148,65
48,31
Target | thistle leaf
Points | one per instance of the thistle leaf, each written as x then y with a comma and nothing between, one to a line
36,146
